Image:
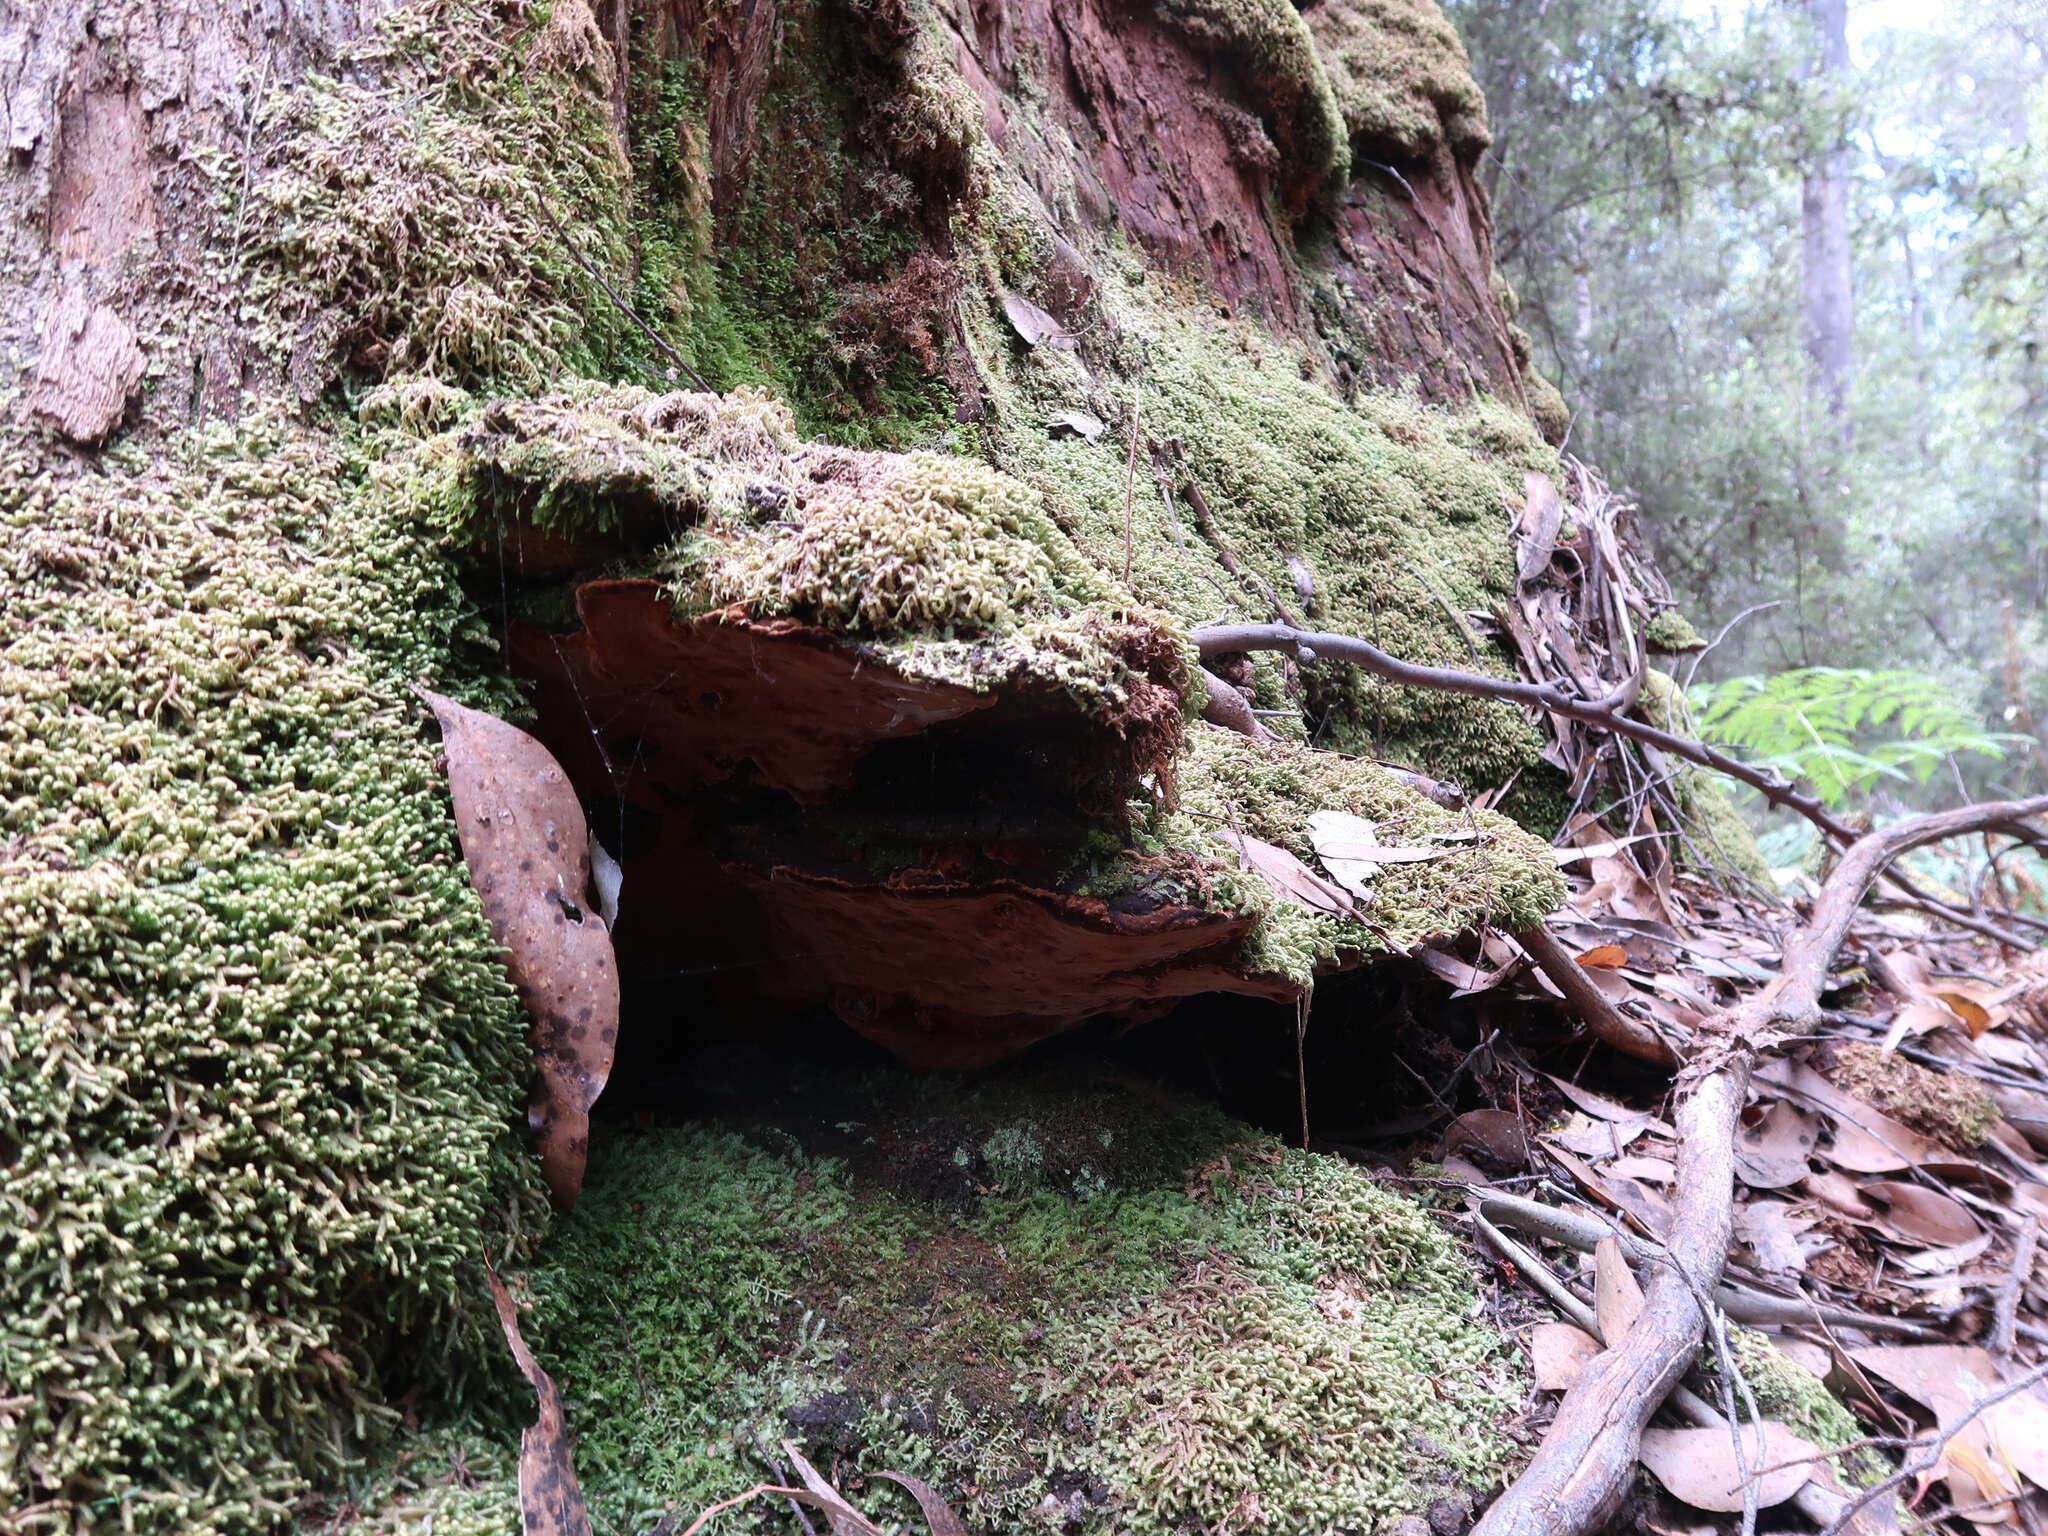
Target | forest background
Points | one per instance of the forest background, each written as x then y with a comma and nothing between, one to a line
1789,262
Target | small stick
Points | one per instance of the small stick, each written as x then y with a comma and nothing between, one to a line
2005,1317
1131,469
1626,1035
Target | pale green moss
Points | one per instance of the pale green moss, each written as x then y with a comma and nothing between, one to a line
447,219
1792,1395
1672,634
1492,872
1286,1330
1401,78
1720,837
1273,43
261,1076
1952,1108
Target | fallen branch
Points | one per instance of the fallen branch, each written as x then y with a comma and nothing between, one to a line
1589,1453
2005,1314
1312,645
1630,1036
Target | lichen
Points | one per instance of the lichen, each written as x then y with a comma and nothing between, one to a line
1286,1330
260,1074
1401,78
1956,1110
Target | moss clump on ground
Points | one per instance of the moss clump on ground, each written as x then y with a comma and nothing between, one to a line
1716,834
1957,1111
261,1076
433,223
1491,872
1401,78
1792,1395
1023,1291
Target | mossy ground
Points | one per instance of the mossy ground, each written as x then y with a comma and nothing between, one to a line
1952,1108
1020,1290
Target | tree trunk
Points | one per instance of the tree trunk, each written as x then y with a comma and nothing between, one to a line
1825,277
762,399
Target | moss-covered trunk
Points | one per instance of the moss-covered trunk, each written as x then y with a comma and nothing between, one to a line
824,421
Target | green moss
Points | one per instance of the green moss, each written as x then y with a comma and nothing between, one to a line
1392,511
1672,634
1491,871
1272,42
1720,838
1948,1106
260,1074
1401,78
447,220
1792,1395
1280,1328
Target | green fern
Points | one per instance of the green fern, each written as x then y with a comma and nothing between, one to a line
1842,729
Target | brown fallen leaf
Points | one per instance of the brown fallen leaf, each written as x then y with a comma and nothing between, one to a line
1033,324
1699,1465
1949,1380
1558,1352
1773,1153
1496,1132
844,1519
528,852
1597,1138
1922,1216
938,1514
1772,1234
1617,1297
1841,1195
550,1499
1604,957
1289,878
1866,1140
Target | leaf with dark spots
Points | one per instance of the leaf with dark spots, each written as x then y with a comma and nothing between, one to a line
524,840
550,1498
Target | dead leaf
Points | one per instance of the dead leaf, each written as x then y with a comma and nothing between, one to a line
1558,1352
1646,1170
844,1519
1866,1140
1604,956
1617,1298
1946,1261
1772,1235
1592,1103
1597,1138
1920,1215
1496,1132
1814,1359
1841,1195
1536,529
1081,424
1351,851
528,852
1773,1153
1699,1465
1289,878
1651,1211
1034,324
550,1499
1921,1016
938,1514
1949,1379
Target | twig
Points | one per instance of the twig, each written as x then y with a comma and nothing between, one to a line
1587,1456
1709,648
1929,1458
741,1498
2005,1316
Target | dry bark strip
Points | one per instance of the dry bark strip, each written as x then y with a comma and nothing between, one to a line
1589,1453
528,852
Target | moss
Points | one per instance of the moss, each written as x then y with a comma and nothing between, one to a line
1284,1330
1718,836
1955,1110
1401,78
1787,1392
1491,871
260,1073
1391,510
1672,634
448,220
1273,43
